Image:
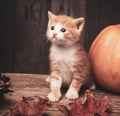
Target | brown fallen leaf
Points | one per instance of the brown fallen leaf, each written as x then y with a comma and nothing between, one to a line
4,85
26,108
91,106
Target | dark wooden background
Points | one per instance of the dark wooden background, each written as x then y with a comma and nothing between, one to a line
23,44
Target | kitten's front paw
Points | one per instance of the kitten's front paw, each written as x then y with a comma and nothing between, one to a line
54,97
72,95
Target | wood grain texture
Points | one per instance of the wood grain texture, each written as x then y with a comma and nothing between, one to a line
30,85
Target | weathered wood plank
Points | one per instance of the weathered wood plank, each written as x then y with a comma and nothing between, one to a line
30,85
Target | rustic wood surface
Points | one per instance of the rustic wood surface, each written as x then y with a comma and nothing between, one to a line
30,85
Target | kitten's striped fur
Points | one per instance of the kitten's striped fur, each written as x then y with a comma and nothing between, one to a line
69,63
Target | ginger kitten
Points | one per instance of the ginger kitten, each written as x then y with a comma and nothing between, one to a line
69,63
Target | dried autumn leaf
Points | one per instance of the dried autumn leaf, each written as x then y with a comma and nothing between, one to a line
24,108
64,109
4,85
90,107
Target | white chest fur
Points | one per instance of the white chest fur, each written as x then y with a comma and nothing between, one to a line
65,58
63,54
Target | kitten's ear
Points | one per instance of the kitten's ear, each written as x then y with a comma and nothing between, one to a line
80,23
51,15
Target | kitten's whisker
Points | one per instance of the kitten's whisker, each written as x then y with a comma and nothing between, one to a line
47,41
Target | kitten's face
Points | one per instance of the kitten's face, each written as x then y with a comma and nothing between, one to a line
63,30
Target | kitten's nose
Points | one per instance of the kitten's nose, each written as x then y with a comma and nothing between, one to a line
54,35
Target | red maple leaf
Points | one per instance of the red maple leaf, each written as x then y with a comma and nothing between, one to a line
24,108
91,106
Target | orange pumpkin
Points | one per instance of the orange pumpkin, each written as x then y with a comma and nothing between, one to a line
105,58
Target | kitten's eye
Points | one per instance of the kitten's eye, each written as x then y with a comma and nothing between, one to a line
52,28
63,30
